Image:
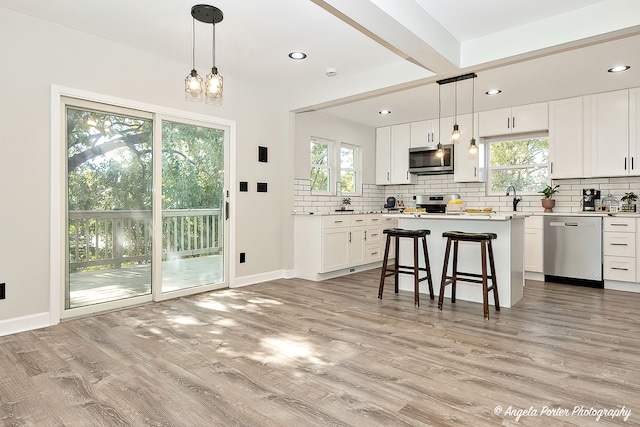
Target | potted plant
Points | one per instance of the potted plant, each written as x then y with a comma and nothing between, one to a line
630,202
345,202
548,202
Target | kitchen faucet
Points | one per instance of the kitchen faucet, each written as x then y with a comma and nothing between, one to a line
516,198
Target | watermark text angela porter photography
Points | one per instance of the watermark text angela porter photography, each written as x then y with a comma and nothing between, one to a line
578,411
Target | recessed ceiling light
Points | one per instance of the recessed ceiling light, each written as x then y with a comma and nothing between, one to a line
493,92
384,112
297,55
619,68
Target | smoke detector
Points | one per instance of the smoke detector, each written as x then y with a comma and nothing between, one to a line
331,72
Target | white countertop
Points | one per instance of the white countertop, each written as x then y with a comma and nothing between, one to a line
496,216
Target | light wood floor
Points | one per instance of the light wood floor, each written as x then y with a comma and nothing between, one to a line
298,353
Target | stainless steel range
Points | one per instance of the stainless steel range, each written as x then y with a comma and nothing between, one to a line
436,203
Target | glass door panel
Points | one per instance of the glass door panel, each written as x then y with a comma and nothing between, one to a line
192,201
109,188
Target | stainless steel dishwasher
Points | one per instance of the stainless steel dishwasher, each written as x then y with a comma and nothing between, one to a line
573,250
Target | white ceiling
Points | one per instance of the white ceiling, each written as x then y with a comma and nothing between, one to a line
531,49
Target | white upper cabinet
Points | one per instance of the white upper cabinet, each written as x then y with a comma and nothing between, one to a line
566,153
634,130
467,167
383,155
424,133
524,118
609,134
392,155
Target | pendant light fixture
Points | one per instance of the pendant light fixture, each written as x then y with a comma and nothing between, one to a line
193,82
212,86
439,150
473,148
455,135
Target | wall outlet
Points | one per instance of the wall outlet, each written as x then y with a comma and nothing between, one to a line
242,257
2,294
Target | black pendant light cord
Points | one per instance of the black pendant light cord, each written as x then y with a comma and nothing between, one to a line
213,47
193,43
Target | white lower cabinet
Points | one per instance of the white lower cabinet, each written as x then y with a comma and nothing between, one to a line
533,247
619,249
329,245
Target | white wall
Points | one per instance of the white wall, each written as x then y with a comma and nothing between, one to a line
321,125
36,54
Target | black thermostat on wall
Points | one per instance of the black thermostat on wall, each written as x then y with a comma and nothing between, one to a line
262,154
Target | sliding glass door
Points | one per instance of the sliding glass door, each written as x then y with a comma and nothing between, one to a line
109,176
127,244
192,205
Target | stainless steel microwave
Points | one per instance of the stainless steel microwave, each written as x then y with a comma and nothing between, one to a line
423,160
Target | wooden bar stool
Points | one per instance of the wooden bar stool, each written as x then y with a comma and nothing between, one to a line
485,243
406,269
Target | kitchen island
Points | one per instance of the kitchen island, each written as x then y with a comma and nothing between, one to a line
508,251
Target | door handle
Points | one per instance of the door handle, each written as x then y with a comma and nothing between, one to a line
226,211
365,235
349,237
618,268
619,244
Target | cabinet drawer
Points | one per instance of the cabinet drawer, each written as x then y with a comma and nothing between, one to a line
336,221
358,220
533,222
374,234
374,219
619,268
620,244
389,223
625,225
373,253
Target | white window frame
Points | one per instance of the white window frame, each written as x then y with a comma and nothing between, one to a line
329,166
357,169
515,137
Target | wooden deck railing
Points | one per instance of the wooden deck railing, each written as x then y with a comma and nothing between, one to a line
121,237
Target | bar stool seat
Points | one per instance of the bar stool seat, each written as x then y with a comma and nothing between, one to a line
485,240
414,269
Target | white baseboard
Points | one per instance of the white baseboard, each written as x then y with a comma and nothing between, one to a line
532,275
621,286
239,282
24,323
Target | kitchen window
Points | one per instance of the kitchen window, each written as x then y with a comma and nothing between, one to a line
349,169
522,163
321,154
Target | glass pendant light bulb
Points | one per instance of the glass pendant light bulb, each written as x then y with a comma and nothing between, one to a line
193,86
455,135
473,148
213,87
440,151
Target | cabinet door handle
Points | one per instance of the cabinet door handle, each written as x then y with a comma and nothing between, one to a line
365,235
619,268
407,175
513,122
508,123
625,163
475,171
614,224
387,176
359,220
375,219
374,253
618,244
551,165
349,237
338,221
